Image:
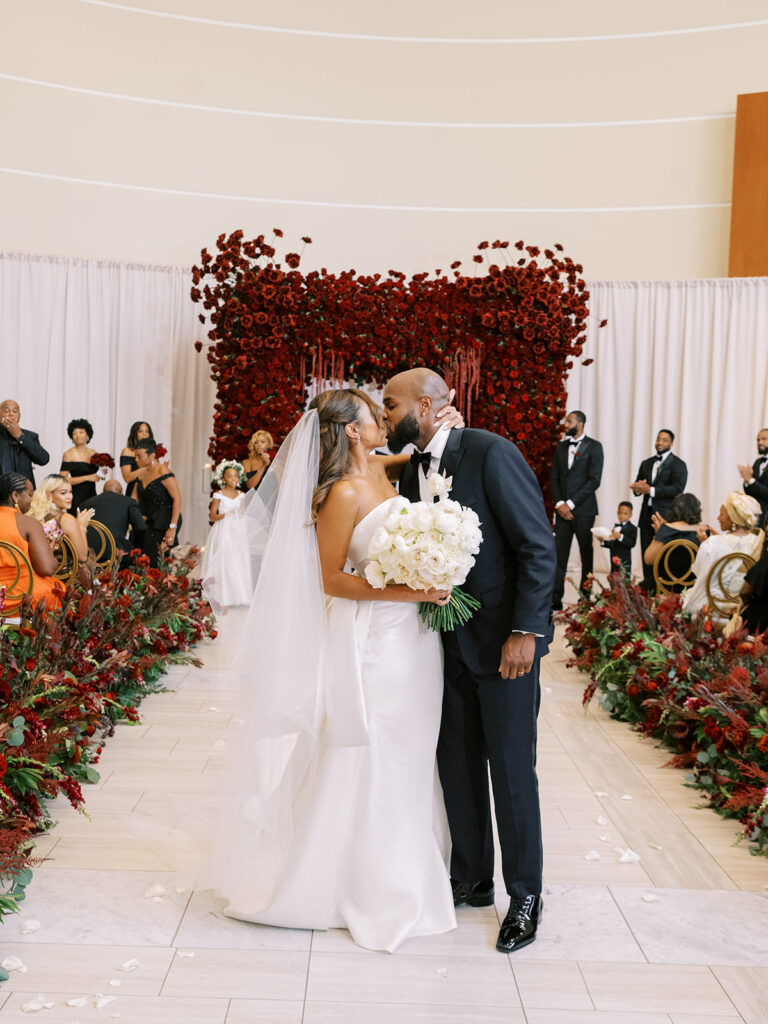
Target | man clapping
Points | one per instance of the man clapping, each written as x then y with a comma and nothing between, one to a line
18,448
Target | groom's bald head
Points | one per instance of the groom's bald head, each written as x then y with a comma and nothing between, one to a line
411,402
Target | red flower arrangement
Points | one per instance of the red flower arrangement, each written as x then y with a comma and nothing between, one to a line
510,333
102,459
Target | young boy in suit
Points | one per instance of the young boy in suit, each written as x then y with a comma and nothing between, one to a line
622,540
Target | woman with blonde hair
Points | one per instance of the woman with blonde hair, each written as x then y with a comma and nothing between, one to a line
255,466
738,518
25,533
51,503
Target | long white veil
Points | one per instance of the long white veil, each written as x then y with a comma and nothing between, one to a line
282,659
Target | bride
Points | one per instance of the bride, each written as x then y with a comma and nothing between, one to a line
336,818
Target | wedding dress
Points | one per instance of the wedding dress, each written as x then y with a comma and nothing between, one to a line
338,818
225,569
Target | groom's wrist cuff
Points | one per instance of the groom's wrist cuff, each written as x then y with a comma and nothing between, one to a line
524,632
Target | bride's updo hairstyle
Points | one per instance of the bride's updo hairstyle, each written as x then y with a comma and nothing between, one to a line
336,410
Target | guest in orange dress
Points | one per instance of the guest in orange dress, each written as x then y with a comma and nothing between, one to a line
27,534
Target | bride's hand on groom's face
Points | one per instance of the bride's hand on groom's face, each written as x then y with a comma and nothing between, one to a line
449,416
517,655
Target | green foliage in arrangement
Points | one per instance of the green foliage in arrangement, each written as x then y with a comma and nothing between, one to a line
683,682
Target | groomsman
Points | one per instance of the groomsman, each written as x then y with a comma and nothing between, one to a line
659,480
574,479
756,478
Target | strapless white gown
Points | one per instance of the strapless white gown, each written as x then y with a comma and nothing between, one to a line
370,841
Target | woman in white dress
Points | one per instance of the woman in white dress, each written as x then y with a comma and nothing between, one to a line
226,565
337,819
738,519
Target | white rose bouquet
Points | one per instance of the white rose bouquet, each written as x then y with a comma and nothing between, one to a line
426,546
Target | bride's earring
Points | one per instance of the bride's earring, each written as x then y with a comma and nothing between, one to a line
358,439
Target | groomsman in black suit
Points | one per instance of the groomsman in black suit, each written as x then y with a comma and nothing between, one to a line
574,479
756,478
19,447
491,695
622,540
659,480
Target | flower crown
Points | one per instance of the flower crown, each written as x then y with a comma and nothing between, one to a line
218,474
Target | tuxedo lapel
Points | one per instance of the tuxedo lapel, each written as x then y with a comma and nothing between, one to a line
453,453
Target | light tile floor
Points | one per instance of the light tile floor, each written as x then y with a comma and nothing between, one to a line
678,937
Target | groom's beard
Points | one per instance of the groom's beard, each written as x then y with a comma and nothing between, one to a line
406,432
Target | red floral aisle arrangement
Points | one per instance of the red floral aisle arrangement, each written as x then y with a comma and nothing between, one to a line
506,333
680,680
67,677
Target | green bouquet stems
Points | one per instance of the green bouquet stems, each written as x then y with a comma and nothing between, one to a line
457,612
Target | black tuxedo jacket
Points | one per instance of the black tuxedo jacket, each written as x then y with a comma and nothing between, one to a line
514,572
670,481
117,512
18,454
579,483
759,489
625,542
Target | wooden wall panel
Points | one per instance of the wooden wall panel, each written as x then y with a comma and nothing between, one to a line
749,213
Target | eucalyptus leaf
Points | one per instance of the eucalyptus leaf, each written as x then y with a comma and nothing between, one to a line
703,757
14,738
19,721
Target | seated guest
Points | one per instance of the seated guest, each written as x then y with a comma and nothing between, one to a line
159,500
755,477
51,503
683,522
738,519
18,448
140,431
26,533
622,540
76,463
118,513
255,466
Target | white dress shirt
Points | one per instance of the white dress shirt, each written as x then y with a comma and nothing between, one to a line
436,447
656,468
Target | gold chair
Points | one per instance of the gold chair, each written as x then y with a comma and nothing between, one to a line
103,547
667,575
69,563
720,599
15,590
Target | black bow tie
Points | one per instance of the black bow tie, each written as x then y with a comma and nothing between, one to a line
574,440
423,459
658,457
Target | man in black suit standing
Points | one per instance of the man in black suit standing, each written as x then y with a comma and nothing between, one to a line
574,479
117,512
18,448
756,477
491,696
659,480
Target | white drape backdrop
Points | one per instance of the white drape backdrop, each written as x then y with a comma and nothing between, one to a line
113,343
688,355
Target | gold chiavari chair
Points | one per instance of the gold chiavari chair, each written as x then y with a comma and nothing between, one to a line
673,567
17,588
102,544
69,563
720,597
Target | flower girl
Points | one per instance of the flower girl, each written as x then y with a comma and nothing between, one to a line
226,567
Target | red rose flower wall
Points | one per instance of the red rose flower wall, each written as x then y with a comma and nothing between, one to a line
507,334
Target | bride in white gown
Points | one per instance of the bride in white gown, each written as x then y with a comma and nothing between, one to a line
337,818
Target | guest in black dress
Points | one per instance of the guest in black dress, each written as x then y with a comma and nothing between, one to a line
159,499
76,463
683,522
140,431
255,466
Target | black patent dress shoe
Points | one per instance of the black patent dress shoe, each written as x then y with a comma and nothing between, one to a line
519,926
473,894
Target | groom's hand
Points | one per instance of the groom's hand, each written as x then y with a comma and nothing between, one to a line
517,655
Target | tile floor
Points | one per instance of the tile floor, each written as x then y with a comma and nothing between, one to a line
678,937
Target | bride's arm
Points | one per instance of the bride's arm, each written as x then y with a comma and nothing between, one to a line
335,523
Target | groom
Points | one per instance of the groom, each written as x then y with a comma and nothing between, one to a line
491,696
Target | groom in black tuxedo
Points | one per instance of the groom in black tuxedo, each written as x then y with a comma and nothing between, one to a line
659,480
491,696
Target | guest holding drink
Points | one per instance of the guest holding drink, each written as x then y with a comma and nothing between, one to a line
255,466
51,504
76,463
159,499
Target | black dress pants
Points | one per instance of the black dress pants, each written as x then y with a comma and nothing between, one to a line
486,721
565,529
647,533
